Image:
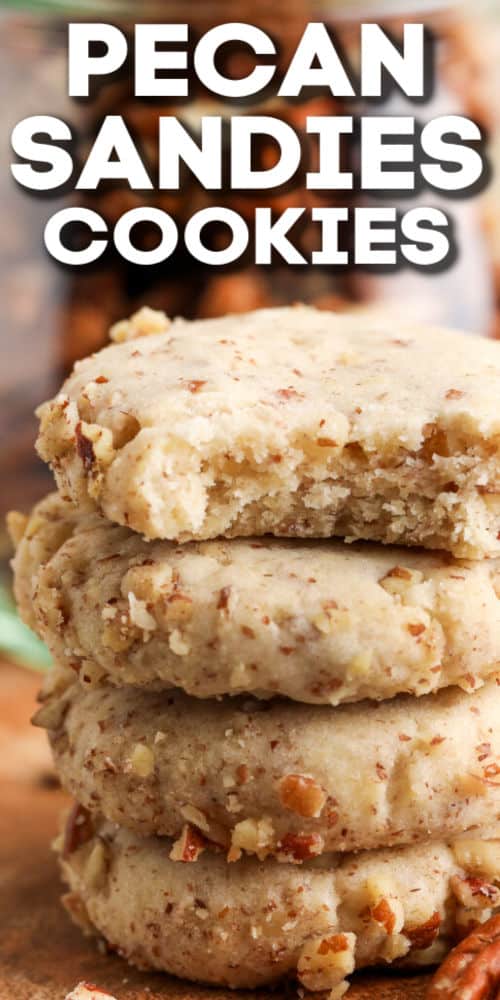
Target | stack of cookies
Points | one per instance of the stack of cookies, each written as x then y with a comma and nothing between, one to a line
284,748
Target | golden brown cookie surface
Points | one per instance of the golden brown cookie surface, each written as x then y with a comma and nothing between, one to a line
293,422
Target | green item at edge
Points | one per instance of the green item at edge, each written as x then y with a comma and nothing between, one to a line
17,641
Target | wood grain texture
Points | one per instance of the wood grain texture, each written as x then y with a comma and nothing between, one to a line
42,955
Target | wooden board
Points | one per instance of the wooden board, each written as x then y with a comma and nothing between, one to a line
42,956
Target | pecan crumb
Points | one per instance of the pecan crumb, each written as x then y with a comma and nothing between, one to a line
416,629
289,393
196,384
223,601
88,991
84,448
400,573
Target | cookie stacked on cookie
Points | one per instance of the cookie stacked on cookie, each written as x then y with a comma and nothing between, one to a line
283,747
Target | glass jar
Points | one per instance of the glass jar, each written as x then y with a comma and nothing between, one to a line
52,315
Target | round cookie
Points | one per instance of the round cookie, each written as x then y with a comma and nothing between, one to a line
251,923
319,622
278,777
292,422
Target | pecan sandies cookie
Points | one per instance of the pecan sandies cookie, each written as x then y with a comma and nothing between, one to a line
292,422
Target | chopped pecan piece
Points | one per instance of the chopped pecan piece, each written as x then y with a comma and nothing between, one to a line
196,384
302,795
384,915
141,761
416,629
475,893
196,817
75,907
144,323
289,393
96,866
189,845
78,831
51,715
16,526
423,936
84,448
399,573
297,847
242,774
491,771
87,991
224,594
254,836
325,962
399,578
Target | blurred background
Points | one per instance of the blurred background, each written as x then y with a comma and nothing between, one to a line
51,315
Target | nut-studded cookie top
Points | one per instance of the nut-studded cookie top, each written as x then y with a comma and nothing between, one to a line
289,421
319,622
279,778
250,924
